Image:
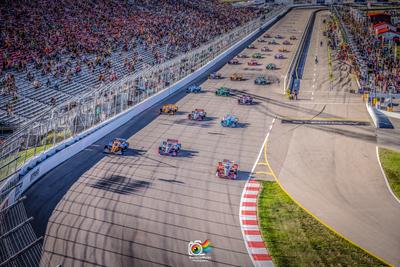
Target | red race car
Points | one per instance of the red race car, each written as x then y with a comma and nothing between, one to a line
252,62
227,169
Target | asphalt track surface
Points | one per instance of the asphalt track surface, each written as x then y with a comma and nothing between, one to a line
333,170
142,209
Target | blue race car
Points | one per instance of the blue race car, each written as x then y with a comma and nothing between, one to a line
117,146
193,89
171,147
279,56
229,121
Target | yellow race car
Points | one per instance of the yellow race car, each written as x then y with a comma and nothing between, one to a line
237,77
169,109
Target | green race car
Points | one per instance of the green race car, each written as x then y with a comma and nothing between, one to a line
256,55
262,80
223,91
271,66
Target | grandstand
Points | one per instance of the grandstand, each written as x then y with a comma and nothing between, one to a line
76,47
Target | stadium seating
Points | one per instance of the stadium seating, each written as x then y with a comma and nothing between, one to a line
123,37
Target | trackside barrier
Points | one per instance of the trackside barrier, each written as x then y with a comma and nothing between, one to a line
379,118
36,167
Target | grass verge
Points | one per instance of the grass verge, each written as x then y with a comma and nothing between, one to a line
295,238
390,161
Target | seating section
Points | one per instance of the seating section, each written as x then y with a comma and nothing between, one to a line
51,51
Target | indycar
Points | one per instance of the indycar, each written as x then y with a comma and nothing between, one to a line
279,37
267,35
273,42
266,49
193,89
169,109
197,115
256,55
233,61
229,121
251,46
242,56
117,146
245,100
252,62
271,66
293,37
261,80
279,56
283,50
261,41
237,77
227,169
215,76
223,91
171,147
286,42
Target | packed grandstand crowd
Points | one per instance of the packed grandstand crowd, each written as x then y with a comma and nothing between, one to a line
63,38
384,68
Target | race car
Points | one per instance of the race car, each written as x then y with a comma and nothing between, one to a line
271,66
171,147
279,56
193,89
256,55
233,61
169,109
227,169
267,35
197,115
293,37
251,46
215,76
117,146
286,42
223,91
261,80
273,42
261,41
237,77
279,37
245,100
252,62
229,121
266,49
283,50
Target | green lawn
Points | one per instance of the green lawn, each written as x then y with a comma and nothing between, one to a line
391,165
294,238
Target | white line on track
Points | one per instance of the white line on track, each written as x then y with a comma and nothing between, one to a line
384,175
243,228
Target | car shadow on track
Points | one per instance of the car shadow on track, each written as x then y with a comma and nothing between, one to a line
206,123
120,184
129,152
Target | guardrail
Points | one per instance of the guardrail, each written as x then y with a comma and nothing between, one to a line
54,139
295,67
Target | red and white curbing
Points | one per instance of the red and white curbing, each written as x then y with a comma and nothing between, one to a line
249,224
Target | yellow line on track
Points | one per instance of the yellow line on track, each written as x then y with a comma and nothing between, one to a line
266,162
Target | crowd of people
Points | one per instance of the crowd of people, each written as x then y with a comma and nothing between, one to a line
58,39
379,55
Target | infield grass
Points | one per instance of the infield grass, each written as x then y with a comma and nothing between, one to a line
294,238
390,161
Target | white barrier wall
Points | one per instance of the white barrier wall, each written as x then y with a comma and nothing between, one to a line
35,168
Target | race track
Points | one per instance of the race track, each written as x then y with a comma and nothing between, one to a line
142,209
